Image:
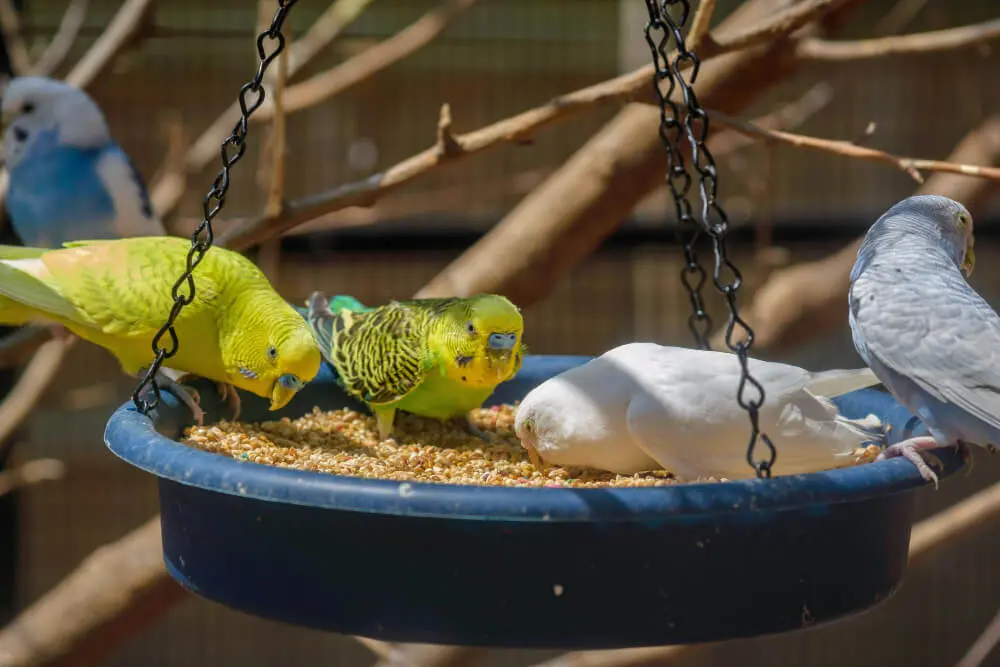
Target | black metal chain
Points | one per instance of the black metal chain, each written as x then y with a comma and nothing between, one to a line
660,21
250,98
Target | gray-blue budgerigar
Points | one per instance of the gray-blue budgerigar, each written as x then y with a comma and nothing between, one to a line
925,333
69,179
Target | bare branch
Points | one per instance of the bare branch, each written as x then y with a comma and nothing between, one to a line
428,655
362,66
628,657
924,42
381,649
791,115
57,50
801,302
898,17
127,24
912,166
983,645
700,24
30,387
166,194
510,130
10,25
19,346
167,190
31,472
114,593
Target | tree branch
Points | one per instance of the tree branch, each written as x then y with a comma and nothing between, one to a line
513,130
116,592
57,50
36,378
17,50
911,166
924,42
166,194
124,27
983,645
802,302
700,24
31,472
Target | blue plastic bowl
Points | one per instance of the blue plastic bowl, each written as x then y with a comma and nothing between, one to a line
493,566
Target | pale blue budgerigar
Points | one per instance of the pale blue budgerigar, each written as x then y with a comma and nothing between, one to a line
925,333
69,179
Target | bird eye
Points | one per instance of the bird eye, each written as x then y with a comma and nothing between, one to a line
963,220
272,352
28,107
471,328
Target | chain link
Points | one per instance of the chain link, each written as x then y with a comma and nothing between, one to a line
270,43
713,219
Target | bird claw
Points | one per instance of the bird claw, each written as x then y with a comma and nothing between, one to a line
187,395
914,451
228,393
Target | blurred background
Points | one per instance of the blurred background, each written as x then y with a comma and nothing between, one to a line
495,58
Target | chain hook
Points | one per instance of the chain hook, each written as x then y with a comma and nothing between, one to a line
204,235
694,127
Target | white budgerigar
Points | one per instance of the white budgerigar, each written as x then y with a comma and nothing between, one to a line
928,336
644,406
69,180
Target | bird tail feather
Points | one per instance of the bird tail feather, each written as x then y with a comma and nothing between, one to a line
838,382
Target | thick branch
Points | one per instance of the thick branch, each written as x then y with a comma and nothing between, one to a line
117,591
802,302
127,24
517,129
567,217
925,42
911,166
57,50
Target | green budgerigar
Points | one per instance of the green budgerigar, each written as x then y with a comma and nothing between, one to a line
237,331
437,358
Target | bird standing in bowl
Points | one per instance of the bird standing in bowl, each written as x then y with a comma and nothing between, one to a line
932,340
437,358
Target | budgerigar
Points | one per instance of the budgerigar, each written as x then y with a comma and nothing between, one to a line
928,336
643,406
237,331
437,358
68,178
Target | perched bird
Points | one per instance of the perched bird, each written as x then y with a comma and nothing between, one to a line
437,358
68,178
117,294
928,336
643,406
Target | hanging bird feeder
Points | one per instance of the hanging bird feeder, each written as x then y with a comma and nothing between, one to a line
529,567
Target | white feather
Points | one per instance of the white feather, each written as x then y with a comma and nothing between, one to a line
642,406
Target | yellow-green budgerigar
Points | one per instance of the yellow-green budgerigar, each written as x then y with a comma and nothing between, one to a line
437,358
117,294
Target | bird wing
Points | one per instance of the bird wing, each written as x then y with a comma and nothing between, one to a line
134,214
937,332
381,354
113,287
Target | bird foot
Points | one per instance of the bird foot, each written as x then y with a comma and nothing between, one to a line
228,393
469,426
189,396
59,332
913,450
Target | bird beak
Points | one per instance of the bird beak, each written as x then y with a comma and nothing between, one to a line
284,390
528,443
969,263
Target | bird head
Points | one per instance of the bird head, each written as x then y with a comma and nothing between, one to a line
37,109
941,221
270,350
484,339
